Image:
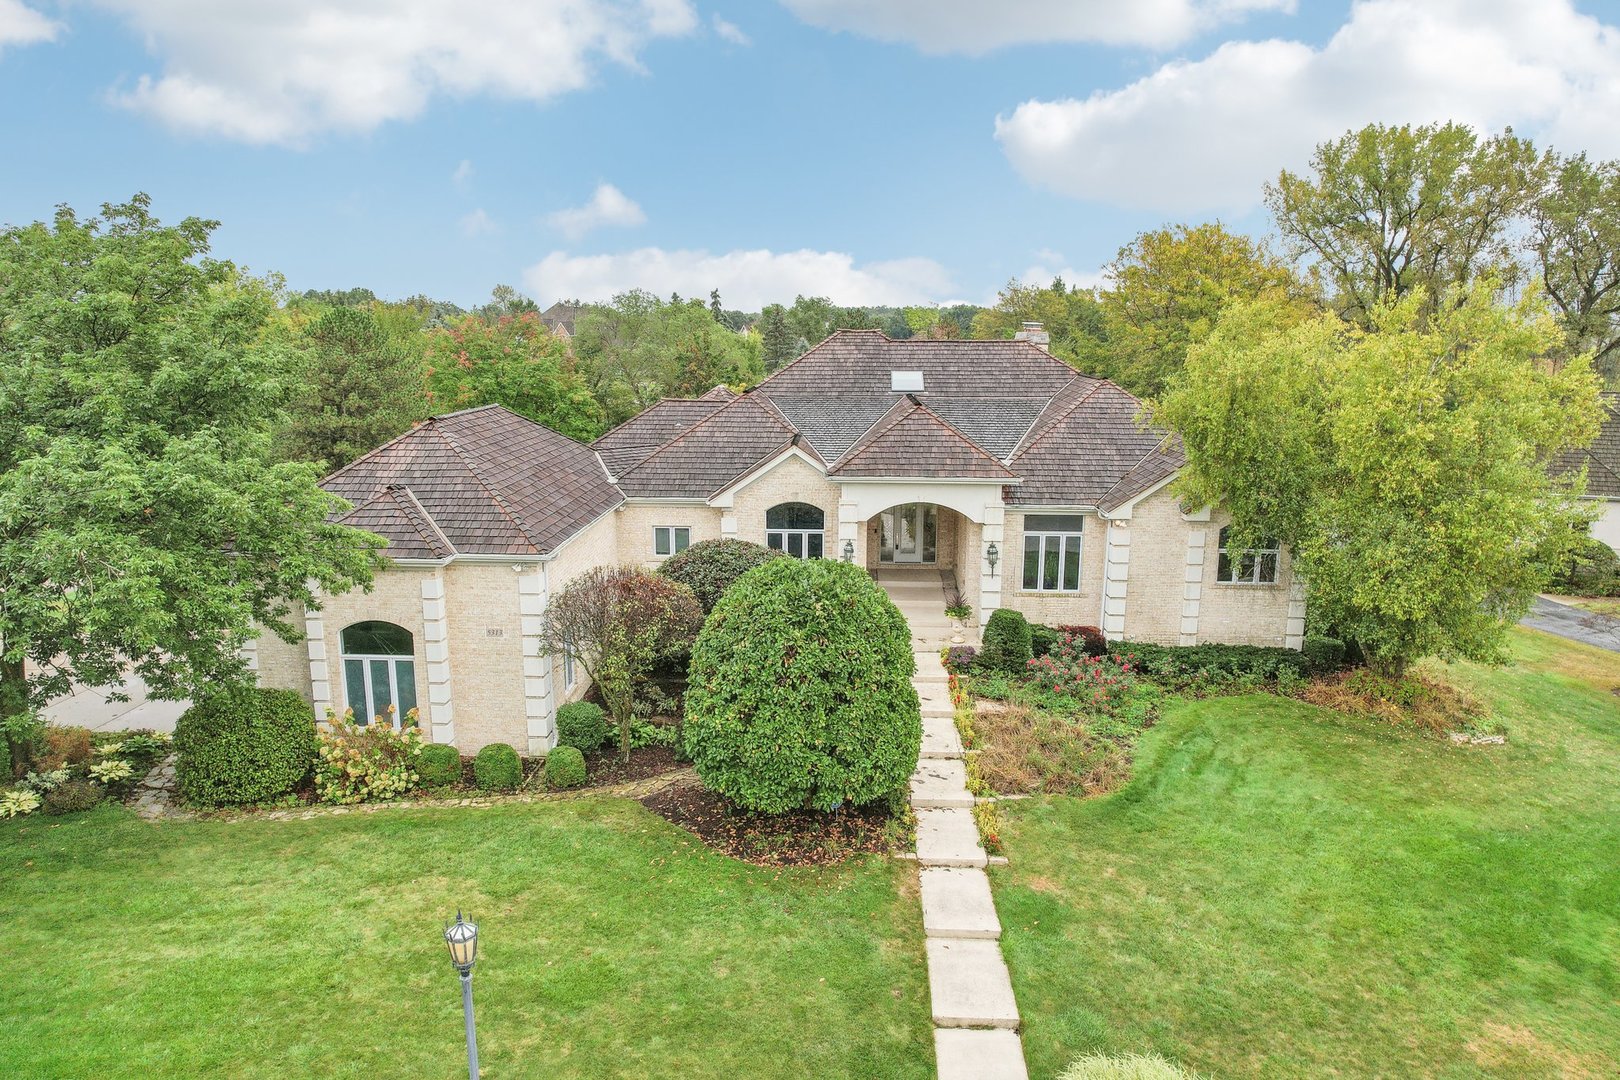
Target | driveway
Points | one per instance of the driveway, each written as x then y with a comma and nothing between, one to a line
1573,623
91,708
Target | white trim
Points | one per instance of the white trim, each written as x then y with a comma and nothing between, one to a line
1116,579
320,679
440,713
673,500
726,496
914,480
1192,588
539,699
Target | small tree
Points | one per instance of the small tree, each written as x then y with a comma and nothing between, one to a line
617,622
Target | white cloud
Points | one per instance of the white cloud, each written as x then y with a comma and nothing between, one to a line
974,27
608,206
746,279
478,223
279,71
1205,135
22,25
730,31
463,174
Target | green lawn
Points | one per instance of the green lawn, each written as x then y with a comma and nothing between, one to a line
1286,892
612,944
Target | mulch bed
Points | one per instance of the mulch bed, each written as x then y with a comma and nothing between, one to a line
603,767
799,838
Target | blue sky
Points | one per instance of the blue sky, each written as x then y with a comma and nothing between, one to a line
878,151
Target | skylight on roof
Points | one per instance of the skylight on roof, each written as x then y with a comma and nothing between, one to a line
905,382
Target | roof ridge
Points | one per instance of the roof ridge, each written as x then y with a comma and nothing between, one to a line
736,402
873,435
766,381
420,517
1024,447
483,482
790,443
718,404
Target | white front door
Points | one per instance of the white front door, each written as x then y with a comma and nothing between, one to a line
908,527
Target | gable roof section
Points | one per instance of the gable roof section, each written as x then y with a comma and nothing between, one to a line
396,516
1602,458
1084,444
634,441
486,480
911,440
1161,463
706,457
830,423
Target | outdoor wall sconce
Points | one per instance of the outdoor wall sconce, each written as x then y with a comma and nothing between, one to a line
992,555
849,551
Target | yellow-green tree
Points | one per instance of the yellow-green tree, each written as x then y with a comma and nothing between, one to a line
1070,315
1404,463
1166,290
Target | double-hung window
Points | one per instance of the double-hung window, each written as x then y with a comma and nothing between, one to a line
1247,566
668,539
1052,552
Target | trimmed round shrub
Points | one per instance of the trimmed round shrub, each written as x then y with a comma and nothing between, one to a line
497,768
800,690
244,744
72,796
1323,655
709,567
1007,642
438,765
565,768
583,725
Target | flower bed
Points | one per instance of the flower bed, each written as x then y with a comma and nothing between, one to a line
75,769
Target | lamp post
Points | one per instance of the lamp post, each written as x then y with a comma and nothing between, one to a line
992,556
462,938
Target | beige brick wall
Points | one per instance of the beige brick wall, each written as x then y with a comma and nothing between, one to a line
396,597
1083,608
1156,586
1241,614
486,655
634,523
792,480
284,664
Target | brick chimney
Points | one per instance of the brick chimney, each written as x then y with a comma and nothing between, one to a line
1034,333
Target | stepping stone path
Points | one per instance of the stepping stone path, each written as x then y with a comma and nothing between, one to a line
975,1015
154,797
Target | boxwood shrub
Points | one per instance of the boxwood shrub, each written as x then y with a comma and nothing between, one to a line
243,744
438,765
1179,662
72,796
565,768
1007,642
583,725
800,690
497,768
709,567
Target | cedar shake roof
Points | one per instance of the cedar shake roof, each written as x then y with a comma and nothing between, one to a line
858,363
633,441
1084,445
1602,458
1159,465
397,517
911,440
706,457
719,393
486,480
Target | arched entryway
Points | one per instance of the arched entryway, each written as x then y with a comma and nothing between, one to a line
379,670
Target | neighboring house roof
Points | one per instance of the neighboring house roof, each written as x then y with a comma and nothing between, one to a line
633,441
1602,458
560,317
486,481
911,440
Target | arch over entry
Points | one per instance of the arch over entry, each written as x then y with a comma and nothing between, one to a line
797,528
379,670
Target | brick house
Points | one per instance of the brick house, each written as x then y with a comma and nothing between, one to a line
1030,485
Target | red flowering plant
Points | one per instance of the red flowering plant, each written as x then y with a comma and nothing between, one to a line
1094,682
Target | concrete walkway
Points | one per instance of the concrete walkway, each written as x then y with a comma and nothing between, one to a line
975,1015
92,708
1573,623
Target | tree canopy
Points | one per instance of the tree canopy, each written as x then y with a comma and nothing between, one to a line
1405,463
143,522
515,361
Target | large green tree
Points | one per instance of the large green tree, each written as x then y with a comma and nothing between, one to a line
776,337
1575,240
143,523
1071,316
515,361
1166,290
361,386
1388,211
1405,464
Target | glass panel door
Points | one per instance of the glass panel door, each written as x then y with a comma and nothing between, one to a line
908,533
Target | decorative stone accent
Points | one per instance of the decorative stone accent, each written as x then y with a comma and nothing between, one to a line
436,645
320,681
1192,589
1295,634
539,705
1116,574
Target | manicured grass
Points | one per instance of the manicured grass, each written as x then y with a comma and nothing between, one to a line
612,944
1283,891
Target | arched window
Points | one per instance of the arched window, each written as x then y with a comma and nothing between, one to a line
379,670
796,528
